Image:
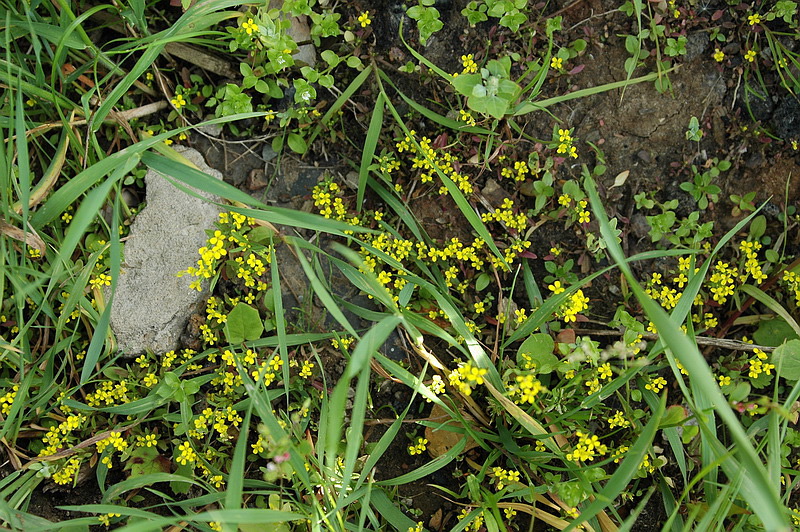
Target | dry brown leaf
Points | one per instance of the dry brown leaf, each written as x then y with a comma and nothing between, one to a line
31,239
442,440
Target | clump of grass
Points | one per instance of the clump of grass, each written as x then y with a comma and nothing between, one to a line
255,426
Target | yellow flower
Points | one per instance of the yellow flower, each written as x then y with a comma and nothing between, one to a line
750,56
754,19
178,101
719,55
364,19
249,27
100,280
469,64
618,420
419,447
656,385
556,63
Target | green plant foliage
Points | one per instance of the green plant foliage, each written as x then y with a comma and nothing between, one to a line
492,91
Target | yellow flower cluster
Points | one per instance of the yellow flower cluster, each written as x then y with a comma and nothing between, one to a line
576,304
328,201
465,376
307,370
455,249
582,213
342,343
469,64
503,477
215,248
7,400
419,447
593,385
519,173
758,366
525,389
618,420
792,281
67,472
258,446
431,163
206,265
253,267
100,281
148,440
437,386
416,528
721,282
656,385
619,453
476,524
217,420
213,306
505,214
751,266
565,143
587,449
647,465
116,442
178,101
59,435
187,454
666,296
105,519
466,116
268,371
109,393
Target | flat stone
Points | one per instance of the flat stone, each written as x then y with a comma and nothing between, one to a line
152,305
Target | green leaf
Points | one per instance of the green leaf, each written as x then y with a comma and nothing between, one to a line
482,282
787,359
146,461
538,348
296,143
674,416
773,333
244,323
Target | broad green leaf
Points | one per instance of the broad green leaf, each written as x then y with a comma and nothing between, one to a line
787,360
537,349
244,323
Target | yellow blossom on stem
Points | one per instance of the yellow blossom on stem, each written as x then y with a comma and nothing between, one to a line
419,447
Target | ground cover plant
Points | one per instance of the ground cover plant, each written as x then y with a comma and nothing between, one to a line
544,275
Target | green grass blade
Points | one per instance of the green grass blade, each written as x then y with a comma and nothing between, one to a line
280,317
370,144
529,107
760,296
431,467
340,101
762,495
235,488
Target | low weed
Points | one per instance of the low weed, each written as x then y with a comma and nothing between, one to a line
549,373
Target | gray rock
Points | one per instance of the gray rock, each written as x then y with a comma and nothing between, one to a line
152,305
